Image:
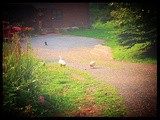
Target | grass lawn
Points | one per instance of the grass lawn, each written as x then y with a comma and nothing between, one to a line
69,92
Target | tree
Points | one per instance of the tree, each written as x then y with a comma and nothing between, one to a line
100,12
138,23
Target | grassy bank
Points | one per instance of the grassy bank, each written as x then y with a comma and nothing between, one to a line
70,92
36,89
119,52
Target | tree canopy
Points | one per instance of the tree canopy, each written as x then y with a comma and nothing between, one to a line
136,23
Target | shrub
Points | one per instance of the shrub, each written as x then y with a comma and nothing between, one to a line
18,69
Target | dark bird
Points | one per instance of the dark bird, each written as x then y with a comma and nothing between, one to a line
45,43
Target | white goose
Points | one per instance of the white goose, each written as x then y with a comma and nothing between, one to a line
92,64
62,62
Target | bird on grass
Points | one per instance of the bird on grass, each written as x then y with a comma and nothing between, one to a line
61,62
45,43
92,64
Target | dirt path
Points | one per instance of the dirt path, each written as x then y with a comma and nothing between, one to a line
136,82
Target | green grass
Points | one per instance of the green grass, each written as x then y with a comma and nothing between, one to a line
132,54
88,33
67,91
94,33
119,52
16,71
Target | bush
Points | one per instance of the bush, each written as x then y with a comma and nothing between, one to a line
18,71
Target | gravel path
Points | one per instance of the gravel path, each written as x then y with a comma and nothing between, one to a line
136,82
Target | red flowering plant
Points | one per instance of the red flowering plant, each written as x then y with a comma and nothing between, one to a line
9,30
6,29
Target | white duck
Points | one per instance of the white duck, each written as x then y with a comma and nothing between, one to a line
92,64
62,62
